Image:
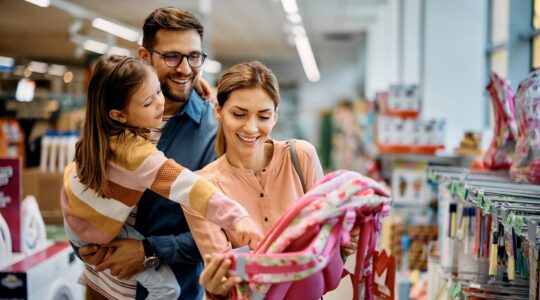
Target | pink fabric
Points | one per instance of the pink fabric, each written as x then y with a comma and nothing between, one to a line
301,241
145,174
499,154
223,210
526,164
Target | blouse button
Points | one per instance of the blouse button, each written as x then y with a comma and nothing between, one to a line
261,195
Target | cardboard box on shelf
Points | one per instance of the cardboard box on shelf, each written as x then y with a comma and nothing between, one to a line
71,121
45,186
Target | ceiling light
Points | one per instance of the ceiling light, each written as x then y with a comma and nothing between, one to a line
212,66
95,46
118,30
40,3
7,62
294,18
306,56
38,67
298,30
289,6
114,50
68,77
57,70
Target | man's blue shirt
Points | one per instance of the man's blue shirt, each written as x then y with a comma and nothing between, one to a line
188,138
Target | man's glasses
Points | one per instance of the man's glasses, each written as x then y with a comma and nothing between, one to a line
174,59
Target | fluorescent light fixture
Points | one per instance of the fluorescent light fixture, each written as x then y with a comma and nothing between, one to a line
95,46
38,67
40,3
118,30
114,50
294,18
298,30
7,61
57,70
289,6
211,66
306,56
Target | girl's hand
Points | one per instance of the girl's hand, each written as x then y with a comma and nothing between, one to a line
251,235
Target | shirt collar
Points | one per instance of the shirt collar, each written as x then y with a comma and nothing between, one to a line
194,107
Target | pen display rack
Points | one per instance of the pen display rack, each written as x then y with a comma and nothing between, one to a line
489,236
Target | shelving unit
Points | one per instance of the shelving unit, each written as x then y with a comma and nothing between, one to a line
493,252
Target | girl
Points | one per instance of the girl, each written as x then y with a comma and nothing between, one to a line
115,163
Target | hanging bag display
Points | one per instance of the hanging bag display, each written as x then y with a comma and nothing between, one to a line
300,258
499,155
526,163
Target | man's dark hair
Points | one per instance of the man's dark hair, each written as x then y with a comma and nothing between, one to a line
169,18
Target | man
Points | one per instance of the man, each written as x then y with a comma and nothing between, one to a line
172,45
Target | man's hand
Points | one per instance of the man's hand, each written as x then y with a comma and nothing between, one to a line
204,90
352,246
126,260
94,254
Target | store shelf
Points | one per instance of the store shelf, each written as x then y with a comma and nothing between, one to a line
514,210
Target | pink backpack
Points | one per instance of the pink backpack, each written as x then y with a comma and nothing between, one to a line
499,155
526,164
300,257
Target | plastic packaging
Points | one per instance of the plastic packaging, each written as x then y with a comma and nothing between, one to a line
33,226
526,163
53,151
500,152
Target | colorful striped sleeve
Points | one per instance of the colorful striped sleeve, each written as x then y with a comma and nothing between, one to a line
144,166
94,219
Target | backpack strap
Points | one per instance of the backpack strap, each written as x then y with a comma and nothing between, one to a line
296,164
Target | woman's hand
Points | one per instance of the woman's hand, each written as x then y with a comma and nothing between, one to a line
251,235
352,246
214,277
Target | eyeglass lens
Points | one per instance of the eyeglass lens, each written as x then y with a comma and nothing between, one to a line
174,59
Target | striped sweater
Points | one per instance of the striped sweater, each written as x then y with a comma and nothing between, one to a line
137,165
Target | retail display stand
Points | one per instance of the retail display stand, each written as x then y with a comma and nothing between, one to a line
489,241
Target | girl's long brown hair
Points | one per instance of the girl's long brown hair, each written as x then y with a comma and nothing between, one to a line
113,82
246,75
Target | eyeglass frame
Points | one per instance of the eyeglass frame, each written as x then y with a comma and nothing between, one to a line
164,54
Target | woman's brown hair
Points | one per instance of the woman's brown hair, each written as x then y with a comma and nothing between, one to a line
246,75
113,82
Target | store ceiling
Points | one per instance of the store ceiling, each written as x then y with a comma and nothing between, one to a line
236,29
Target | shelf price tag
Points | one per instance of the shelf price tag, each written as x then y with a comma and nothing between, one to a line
518,224
486,206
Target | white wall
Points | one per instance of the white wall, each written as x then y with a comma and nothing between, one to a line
447,53
339,81
454,65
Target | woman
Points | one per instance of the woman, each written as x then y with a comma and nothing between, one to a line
251,168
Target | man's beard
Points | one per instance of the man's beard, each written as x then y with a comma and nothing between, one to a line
170,96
